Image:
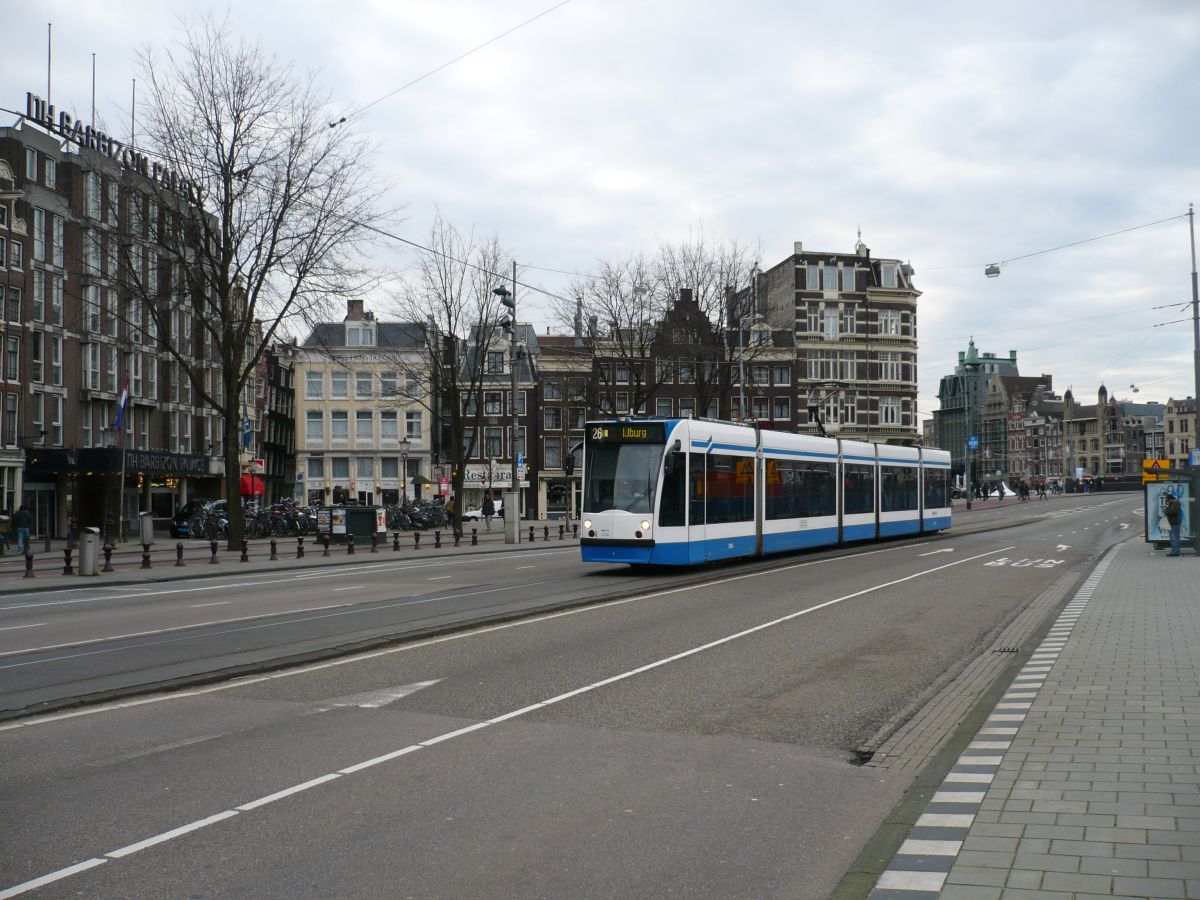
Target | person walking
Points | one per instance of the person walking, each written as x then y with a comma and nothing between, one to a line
1173,513
489,510
22,522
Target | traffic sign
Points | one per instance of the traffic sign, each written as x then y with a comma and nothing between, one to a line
973,442
1155,470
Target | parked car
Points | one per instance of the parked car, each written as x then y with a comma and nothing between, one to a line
476,515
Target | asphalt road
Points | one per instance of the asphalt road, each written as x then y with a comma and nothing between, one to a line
681,741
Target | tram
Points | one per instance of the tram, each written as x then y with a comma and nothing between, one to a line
680,492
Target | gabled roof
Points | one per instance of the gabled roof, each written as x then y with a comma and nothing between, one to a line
392,335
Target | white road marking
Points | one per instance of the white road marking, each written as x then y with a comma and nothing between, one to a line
374,654
380,698
1062,547
940,796
932,552
438,577
52,877
214,603
15,627
354,587
519,568
355,608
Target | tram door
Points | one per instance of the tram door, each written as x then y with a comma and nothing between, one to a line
697,540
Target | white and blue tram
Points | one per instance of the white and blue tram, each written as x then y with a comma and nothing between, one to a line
688,491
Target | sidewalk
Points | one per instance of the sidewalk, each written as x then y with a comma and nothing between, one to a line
1085,779
127,558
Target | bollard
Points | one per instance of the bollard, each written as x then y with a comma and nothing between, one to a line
145,556
457,537
416,540
274,550
474,536
574,529
545,532
178,555
396,541
326,553
374,542
562,531
108,549
28,564
212,548
350,545
300,548
531,534
437,539
68,569
245,550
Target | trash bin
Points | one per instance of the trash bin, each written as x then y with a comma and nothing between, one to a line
146,528
89,551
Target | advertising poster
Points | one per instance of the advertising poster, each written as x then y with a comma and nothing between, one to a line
339,520
324,521
1156,491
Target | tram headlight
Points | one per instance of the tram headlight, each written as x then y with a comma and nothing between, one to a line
587,523
645,525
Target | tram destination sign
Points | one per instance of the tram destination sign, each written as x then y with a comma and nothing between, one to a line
627,433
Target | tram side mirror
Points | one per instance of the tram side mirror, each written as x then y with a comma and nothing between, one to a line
677,446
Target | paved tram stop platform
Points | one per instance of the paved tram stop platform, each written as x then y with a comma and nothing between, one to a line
1084,780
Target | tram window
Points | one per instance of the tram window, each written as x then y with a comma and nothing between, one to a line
859,494
937,488
673,502
797,489
730,489
696,489
898,489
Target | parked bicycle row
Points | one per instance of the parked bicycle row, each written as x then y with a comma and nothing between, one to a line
209,519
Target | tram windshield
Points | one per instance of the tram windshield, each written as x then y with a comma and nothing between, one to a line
621,476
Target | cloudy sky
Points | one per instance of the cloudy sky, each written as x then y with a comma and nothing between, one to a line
954,136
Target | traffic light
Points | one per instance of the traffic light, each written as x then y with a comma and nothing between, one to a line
508,300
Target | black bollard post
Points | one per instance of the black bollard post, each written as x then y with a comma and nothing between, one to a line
396,541
178,555
68,569
374,542
350,545
274,550
326,553
245,550
545,532
145,556
574,529
28,564
108,549
437,539
457,537
531,534
300,547
416,540
562,531
474,536
212,548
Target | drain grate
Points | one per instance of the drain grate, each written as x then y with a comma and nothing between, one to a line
1006,649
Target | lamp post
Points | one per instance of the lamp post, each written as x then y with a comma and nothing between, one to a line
404,471
509,323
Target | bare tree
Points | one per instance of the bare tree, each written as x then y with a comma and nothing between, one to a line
452,292
256,216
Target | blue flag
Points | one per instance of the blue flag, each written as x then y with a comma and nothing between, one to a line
247,430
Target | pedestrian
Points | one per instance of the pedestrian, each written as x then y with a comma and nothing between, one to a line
489,510
1173,513
22,522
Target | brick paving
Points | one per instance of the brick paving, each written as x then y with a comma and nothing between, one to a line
1084,781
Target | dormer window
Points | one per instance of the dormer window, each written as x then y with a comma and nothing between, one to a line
360,336
887,274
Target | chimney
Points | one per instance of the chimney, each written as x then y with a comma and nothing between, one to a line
354,308
593,326
798,247
685,295
578,323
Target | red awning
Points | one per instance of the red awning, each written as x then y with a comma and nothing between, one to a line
252,485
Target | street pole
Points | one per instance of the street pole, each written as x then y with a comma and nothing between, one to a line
741,371
1195,373
516,486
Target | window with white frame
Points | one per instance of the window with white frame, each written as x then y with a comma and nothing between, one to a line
760,374
109,361
781,375
55,403
11,420
782,408
664,371
91,367
687,407
39,234
413,388
31,164
553,458
890,368
136,382
848,281
314,426
493,403
91,195
365,467
339,385
413,425
889,322
759,408
889,411
13,307
364,384
56,238
495,362
388,427
339,425
493,441
387,384
812,277
51,172
552,418
662,407
553,387
37,366
55,284
389,467
830,323
340,466
151,376
56,359
848,323
316,468
364,425
85,422
15,259
887,274
314,385
622,402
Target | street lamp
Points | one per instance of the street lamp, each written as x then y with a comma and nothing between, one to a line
754,317
404,471
509,323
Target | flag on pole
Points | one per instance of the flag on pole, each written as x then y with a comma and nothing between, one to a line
247,429
123,405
